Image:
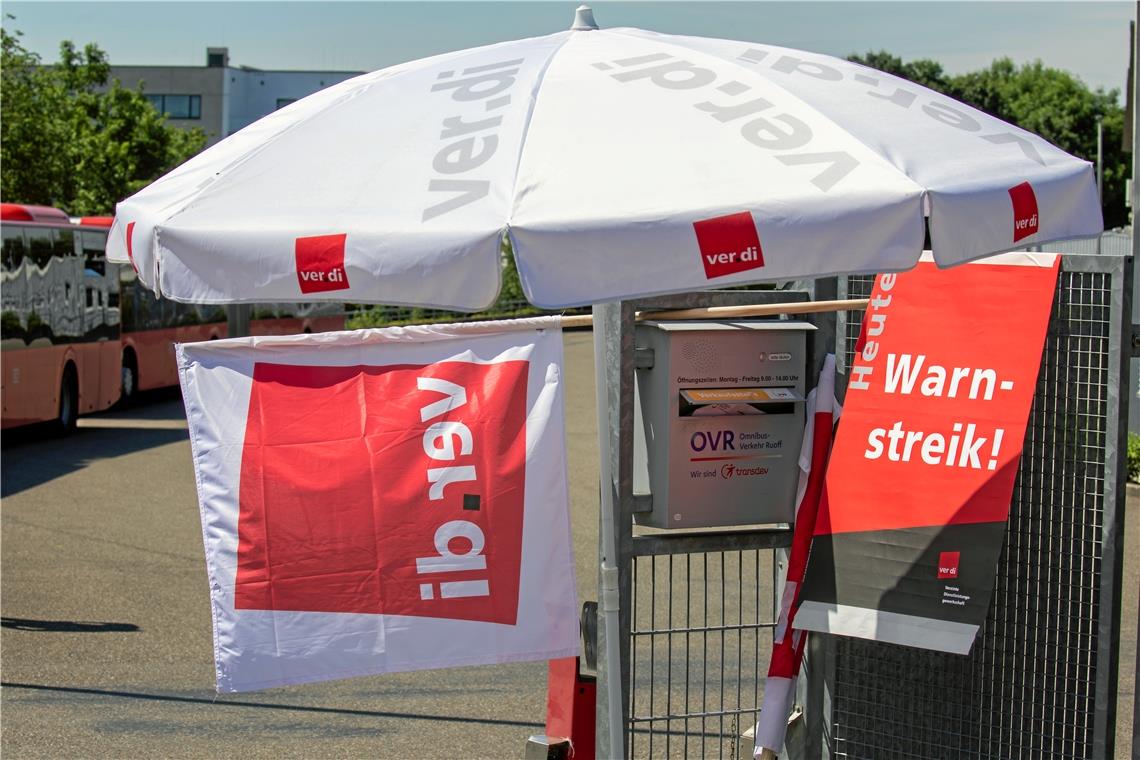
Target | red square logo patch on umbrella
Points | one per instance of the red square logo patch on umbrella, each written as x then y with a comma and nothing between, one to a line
1024,211
728,244
320,263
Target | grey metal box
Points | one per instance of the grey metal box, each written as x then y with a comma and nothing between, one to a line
719,422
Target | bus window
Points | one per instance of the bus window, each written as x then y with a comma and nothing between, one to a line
14,246
142,309
39,245
94,247
113,291
63,243
127,301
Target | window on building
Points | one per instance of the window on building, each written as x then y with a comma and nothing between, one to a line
177,106
282,102
215,60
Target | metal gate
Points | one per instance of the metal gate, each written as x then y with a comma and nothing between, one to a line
1041,679
697,610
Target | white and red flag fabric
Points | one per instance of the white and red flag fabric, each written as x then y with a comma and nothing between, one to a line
788,644
382,500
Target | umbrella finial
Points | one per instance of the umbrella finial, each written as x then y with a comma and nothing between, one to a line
584,19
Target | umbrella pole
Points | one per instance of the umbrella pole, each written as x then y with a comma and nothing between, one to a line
609,586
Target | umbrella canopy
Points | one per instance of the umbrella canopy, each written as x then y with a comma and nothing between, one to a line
619,162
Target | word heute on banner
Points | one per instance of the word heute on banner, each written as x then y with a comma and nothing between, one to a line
382,500
921,475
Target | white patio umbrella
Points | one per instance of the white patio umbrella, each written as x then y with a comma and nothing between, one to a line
619,162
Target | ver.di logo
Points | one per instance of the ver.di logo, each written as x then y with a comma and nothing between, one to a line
948,565
1025,221
728,244
320,263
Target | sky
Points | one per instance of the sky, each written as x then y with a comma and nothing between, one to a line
1088,39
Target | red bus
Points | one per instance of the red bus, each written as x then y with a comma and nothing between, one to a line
151,326
79,333
59,318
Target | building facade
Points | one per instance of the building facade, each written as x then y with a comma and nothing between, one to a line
219,98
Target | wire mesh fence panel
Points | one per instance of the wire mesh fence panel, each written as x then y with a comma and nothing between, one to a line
1028,688
700,640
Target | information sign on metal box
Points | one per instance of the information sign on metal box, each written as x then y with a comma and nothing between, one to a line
720,418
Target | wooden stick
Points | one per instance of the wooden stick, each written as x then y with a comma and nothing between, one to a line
733,312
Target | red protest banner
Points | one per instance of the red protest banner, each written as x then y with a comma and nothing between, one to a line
920,479
379,501
394,490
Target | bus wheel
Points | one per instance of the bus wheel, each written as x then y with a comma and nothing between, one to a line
68,401
129,379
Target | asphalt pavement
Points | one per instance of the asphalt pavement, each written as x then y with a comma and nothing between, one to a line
106,644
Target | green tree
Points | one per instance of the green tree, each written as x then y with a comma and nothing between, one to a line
71,138
510,288
1049,102
923,71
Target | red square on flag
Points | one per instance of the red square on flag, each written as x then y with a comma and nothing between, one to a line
384,489
320,263
1024,211
948,564
728,244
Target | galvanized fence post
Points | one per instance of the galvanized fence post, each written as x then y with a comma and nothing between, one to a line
1115,487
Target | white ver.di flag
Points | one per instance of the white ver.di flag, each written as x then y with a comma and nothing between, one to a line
382,500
